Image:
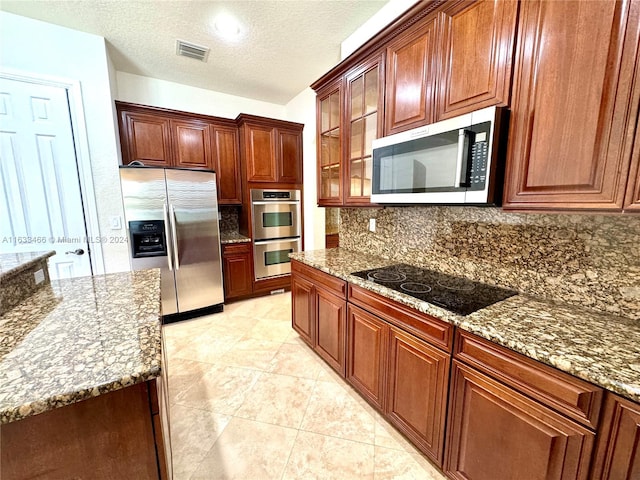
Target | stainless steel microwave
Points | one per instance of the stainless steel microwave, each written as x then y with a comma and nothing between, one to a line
455,161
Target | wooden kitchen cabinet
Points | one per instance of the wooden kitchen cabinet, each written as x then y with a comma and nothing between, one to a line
364,105
575,105
330,104
271,150
618,451
145,138
367,351
411,73
476,51
418,378
236,269
496,432
226,161
632,201
160,137
192,144
319,313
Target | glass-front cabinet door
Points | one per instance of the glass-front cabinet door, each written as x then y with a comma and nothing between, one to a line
364,100
329,109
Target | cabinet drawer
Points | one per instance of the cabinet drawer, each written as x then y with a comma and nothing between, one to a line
236,248
571,396
329,282
421,325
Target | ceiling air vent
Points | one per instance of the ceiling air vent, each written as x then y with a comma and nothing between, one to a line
191,50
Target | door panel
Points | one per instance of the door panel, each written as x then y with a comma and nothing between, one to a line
417,391
192,144
227,164
330,333
496,432
302,308
476,58
261,156
290,144
197,260
572,116
40,199
147,139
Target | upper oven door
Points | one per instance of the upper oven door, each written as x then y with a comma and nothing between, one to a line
279,219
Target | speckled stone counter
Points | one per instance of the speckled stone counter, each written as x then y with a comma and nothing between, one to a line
600,348
233,237
79,338
17,280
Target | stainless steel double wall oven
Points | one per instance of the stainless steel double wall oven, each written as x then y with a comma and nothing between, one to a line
276,230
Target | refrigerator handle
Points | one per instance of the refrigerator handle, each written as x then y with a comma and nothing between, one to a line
167,233
174,237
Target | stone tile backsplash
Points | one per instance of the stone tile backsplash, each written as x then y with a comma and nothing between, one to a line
588,260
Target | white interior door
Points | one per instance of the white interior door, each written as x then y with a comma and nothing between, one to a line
40,199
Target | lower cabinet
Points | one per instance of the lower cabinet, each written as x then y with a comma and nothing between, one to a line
319,311
236,269
402,375
507,416
618,452
496,432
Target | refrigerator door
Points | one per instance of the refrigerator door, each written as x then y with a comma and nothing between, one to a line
193,213
144,194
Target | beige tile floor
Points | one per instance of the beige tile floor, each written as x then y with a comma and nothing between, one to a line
249,400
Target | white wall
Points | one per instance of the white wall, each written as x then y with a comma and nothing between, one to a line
302,109
35,48
160,93
377,22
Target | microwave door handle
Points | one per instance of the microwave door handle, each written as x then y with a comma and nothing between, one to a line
174,237
461,160
167,234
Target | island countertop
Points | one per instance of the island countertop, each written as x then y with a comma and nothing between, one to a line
598,347
79,338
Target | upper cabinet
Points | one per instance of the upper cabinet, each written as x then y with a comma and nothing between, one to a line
349,117
363,124
167,138
476,50
329,144
145,137
411,75
574,107
271,150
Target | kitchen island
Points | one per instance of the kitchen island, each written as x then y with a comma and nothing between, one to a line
81,380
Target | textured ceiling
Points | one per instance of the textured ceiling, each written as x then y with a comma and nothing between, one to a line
286,44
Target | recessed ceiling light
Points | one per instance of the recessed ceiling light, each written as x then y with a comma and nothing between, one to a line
227,26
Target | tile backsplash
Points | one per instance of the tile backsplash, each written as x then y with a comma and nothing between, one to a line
229,219
588,260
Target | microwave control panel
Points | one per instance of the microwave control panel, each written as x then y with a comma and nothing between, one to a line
479,161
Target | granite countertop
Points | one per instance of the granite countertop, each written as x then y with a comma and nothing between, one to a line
12,263
597,347
233,237
79,338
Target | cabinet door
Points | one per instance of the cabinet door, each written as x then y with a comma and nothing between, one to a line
632,201
303,308
260,153
476,57
236,267
330,330
367,346
145,138
411,75
417,391
618,452
191,144
226,163
289,156
496,432
572,119
363,124
329,147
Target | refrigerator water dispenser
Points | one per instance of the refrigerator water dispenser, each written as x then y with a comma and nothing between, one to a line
147,238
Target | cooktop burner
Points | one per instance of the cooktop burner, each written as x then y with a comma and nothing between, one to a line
456,294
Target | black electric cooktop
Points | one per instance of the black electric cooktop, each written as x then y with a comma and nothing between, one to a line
456,294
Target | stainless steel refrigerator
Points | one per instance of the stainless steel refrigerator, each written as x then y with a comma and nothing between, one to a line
172,223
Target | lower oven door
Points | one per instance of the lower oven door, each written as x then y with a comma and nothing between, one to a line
271,257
